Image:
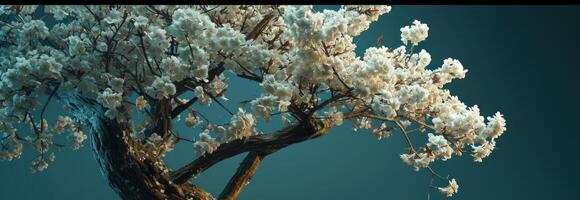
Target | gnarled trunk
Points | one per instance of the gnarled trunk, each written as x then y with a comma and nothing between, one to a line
130,172
136,173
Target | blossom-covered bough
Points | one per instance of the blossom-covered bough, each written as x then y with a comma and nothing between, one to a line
127,74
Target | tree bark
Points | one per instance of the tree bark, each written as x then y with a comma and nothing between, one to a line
242,176
130,172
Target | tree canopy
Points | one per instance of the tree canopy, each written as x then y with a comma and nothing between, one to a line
140,69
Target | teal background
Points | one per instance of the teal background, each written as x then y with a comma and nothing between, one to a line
522,61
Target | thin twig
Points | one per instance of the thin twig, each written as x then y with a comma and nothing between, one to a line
46,104
406,135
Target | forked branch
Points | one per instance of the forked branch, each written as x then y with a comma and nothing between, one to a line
258,143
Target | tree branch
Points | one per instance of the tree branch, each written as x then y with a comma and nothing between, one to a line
179,109
326,102
407,138
242,176
182,87
260,27
45,105
141,34
253,78
261,143
168,18
218,102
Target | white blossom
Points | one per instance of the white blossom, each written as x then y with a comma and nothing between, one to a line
110,99
156,38
191,120
174,68
335,116
47,66
76,45
451,189
206,143
5,10
12,148
190,22
383,131
483,150
140,103
141,21
453,67
62,124
424,59
153,141
200,94
414,33
58,12
116,84
242,125
161,88
263,106
439,146
34,29
78,137
495,126
362,123
417,160
41,163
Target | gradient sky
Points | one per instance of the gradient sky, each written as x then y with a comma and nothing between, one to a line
523,61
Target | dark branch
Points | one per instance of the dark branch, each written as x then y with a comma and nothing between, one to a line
243,175
179,109
168,18
253,78
254,75
214,72
218,102
141,34
260,143
260,27
183,86
327,102
340,79
46,104
97,18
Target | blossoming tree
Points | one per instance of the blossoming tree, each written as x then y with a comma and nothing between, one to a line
127,73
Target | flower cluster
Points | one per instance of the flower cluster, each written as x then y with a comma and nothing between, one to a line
206,143
78,138
161,88
451,189
41,163
191,120
415,33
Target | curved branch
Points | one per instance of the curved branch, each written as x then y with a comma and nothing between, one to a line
242,177
261,143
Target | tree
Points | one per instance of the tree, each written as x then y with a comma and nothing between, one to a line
127,73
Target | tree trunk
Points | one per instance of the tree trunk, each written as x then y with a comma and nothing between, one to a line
135,173
131,172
